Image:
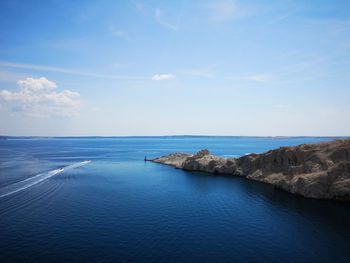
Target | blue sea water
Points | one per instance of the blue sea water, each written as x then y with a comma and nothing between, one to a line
118,208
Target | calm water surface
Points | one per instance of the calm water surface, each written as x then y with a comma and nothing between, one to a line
120,209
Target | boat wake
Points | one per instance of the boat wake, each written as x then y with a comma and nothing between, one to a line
22,185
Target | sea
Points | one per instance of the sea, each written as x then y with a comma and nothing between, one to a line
95,199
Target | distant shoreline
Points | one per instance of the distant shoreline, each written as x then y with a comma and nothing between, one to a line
167,136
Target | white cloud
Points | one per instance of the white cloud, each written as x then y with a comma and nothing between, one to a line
38,97
159,77
159,16
36,85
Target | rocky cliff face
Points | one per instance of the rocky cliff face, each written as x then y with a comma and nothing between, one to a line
311,170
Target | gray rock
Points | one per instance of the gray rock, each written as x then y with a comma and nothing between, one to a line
319,171
175,159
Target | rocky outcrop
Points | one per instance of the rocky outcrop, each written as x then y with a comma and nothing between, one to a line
312,170
176,159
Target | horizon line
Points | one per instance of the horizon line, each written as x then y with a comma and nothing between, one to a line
178,135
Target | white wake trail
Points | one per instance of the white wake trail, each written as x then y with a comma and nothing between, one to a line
22,185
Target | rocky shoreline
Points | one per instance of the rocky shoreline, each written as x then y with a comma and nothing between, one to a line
320,171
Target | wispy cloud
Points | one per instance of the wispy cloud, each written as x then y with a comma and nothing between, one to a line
279,18
306,66
118,65
69,44
160,77
339,26
259,77
7,64
225,10
252,77
202,73
38,97
160,18
139,6
118,33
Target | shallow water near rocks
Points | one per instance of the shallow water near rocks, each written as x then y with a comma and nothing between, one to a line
117,208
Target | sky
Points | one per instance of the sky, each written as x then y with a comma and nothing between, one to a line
128,68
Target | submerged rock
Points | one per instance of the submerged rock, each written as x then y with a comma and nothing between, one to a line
312,170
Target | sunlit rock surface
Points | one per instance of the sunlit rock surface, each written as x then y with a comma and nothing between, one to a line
312,170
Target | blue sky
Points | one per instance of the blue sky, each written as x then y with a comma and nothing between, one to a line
175,67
